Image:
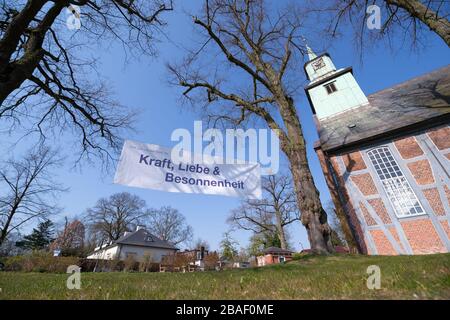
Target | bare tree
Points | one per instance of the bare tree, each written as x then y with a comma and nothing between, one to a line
168,224
28,190
70,240
199,243
44,67
399,18
9,246
273,213
111,217
263,45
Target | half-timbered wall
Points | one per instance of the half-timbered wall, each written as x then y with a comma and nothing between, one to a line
423,163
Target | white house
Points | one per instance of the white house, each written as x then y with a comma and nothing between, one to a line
139,244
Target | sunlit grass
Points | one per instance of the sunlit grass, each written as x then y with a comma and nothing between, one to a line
334,277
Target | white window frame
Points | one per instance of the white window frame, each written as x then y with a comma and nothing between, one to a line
398,190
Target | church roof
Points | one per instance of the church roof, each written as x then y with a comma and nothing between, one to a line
418,102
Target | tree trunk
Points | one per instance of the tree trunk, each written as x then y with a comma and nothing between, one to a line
11,37
2,236
440,25
11,213
280,229
13,74
313,216
17,73
4,231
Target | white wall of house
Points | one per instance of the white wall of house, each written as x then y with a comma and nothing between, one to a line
139,252
104,254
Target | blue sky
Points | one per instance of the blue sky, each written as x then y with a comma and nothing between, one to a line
143,84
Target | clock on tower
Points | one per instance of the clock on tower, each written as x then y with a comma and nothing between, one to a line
317,64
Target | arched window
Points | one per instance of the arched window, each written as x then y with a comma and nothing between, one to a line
398,189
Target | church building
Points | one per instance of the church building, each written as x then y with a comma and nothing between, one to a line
385,157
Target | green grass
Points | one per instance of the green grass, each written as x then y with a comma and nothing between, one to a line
333,277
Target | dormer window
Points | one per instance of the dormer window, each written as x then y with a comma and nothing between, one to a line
330,87
149,238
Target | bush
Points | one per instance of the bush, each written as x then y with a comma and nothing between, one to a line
130,264
297,256
39,261
104,265
146,263
45,262
211,261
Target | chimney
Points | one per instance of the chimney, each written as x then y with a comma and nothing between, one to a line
202,253
139,227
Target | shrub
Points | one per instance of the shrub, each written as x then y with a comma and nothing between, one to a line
39,261
297,256
130,264
87,265
146,263
114,265
211,261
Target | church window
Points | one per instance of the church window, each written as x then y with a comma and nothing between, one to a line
331,87
398,189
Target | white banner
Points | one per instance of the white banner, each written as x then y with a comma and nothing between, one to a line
150,166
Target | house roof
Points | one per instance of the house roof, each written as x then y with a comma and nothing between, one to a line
144,238
420,101
276,250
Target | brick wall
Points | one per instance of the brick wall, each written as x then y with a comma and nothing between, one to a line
344,208
446,226
434,200
365,184
421,171
440,137
420,234
353,161
384,246
408,147
380,209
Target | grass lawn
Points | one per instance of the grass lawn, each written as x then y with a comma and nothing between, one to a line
333,277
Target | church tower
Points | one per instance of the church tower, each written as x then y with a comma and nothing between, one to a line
331,91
